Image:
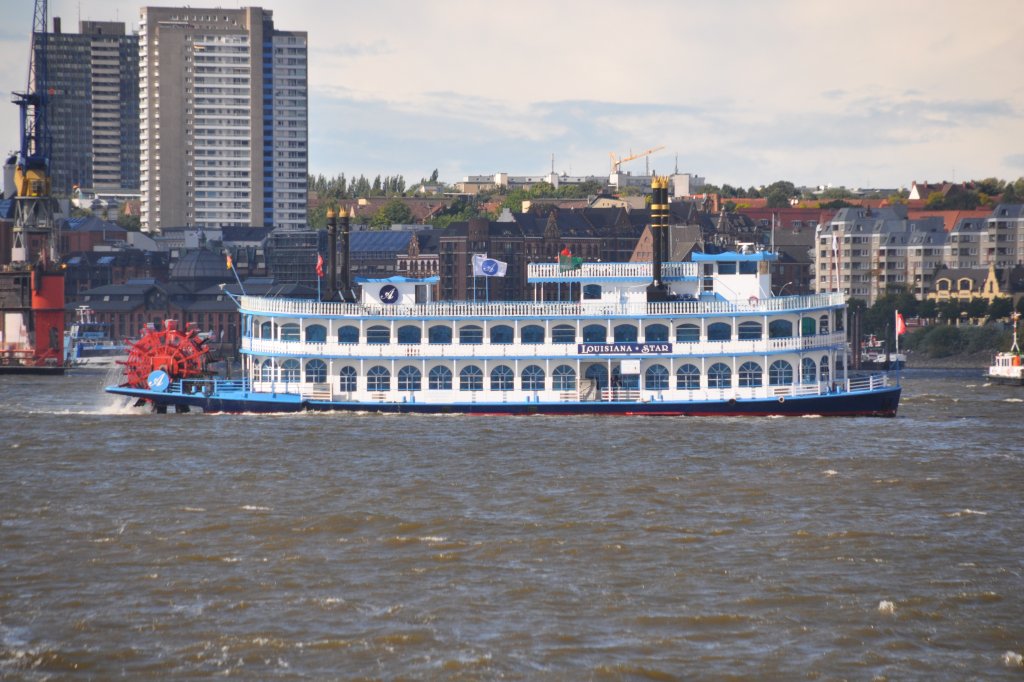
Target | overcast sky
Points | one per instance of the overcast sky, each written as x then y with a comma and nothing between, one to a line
744,92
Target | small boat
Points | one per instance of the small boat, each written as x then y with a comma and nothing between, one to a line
873,355
89,343
1007,367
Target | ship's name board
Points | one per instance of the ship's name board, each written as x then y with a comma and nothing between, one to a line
626,348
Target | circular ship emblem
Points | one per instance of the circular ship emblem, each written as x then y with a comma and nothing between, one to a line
389,294
489,267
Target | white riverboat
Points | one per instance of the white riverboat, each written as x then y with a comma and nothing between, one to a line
713,341
89,343
1007,368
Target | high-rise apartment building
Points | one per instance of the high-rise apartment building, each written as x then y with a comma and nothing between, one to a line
93,83
223,119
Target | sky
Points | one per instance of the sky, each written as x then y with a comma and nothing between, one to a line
743,92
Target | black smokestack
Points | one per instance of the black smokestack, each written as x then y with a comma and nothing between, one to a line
657,291
332,258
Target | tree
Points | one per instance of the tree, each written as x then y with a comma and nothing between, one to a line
777,198
928,309
977,308
391,213
1000,308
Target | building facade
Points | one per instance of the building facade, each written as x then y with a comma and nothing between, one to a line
223,119
93,80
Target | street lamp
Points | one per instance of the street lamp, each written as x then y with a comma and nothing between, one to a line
783,288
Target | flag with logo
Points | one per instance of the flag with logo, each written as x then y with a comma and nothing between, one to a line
319,265
567,262
488,267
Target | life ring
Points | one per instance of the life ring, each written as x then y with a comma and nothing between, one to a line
752,300
782,398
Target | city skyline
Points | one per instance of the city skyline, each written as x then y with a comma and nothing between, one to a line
875,95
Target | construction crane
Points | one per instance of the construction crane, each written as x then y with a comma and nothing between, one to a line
34,206
617,162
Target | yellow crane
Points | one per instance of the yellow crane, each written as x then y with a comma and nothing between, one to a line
617,162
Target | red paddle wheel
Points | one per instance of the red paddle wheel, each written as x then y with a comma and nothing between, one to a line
182,354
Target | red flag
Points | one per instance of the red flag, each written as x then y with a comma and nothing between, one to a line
901,326
565,252
319,265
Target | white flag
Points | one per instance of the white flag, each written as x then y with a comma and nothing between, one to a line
488,267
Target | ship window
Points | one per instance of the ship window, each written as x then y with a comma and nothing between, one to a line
656,378
502,334
719,331
688,378
316,333
439,334
780,329
348,334
471,379
533,378
378,379
748,267
316,372
409,378
808,326
594,333
656,333
378,334
809,371
598,374
727,268
439,379
267,371
471,335
563,333
290,332
719,376
749,331
592,292
750,374
532,333
409,334
290,371
687,333
347,379
563,378
502,378
625,333
267,330
823,368
823,324
780,373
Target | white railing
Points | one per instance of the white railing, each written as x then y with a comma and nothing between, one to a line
547,272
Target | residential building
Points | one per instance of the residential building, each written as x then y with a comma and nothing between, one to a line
223,119
93,81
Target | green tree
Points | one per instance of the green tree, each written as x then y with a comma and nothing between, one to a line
777,198
393,212
977,308
129,222
1000,308
928,310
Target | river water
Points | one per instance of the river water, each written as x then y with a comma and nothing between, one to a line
480,548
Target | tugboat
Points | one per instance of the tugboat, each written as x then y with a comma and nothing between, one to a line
1007,367
88,344
873,355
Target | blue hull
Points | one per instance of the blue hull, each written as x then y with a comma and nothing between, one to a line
881,402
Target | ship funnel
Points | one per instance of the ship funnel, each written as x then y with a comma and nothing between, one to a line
656,290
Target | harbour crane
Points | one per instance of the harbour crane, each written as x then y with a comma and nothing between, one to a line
617,162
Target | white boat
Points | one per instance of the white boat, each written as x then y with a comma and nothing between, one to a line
1008,367
90,344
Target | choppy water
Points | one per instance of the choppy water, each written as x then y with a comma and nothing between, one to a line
469,548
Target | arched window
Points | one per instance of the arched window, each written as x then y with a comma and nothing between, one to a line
533,378
439,334
267,371
780,329
471,378
750,375
563,378
594,333
290,371
688,377
808,327
378,379
347,379
267,330
563,333
823,368
625,333
532,333
410,334
439,378
749,331
719,376
502,334
823,324
471,335
591,292
409,378
316,333
656,378
290,331
598,374
316,371
687,333
502,378
719,331
378,335
780,373
808,371
656,333
348,334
